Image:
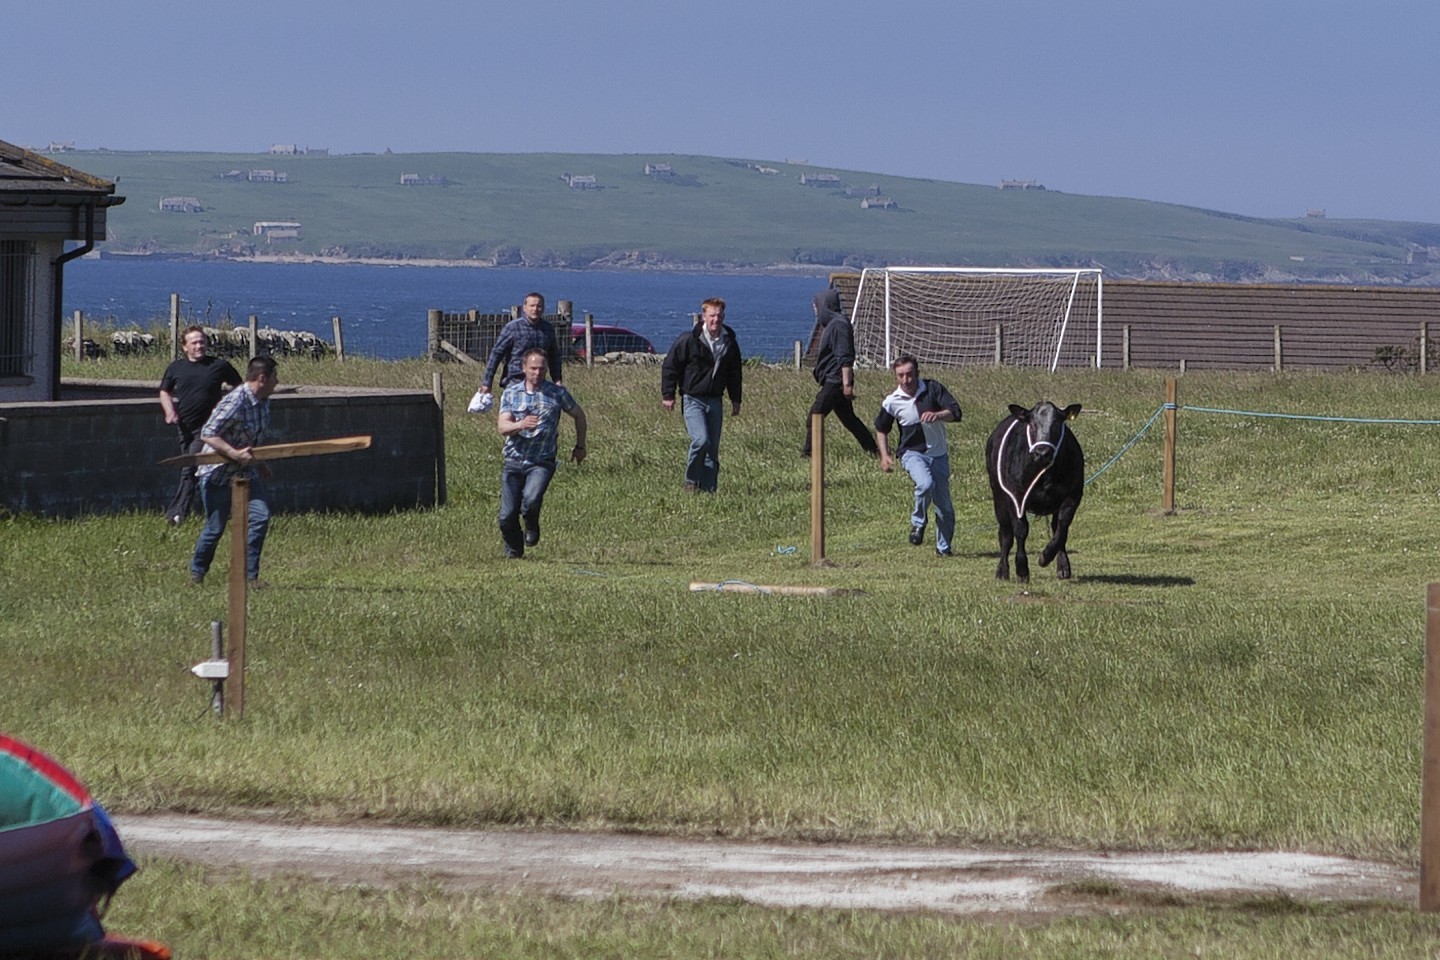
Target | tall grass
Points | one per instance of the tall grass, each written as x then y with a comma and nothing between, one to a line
1244,673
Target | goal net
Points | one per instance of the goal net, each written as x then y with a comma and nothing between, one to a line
972,316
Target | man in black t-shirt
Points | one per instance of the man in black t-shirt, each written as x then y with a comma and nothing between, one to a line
189,390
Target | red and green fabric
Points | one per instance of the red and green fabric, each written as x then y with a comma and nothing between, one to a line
60,857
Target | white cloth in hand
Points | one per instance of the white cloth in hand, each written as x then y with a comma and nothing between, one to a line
481,402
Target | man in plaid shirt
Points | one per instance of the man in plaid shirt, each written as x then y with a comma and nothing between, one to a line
238,423
529,421
518,337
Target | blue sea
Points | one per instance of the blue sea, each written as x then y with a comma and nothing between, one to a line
383,309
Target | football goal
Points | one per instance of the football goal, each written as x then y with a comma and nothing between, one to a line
974,316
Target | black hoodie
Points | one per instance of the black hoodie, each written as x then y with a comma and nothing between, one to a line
837,339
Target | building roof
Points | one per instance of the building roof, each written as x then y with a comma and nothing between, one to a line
26,176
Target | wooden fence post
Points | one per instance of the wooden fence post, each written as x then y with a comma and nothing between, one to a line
1424,346
79,320
437,387
817,489
797,354
239,539
1125,347
589,340
432,335
175,343
999,347
1430,759
254,335
339,339
1279,356
1167,501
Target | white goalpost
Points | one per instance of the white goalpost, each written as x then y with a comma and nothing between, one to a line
974,316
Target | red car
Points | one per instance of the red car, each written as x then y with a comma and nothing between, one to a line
608,339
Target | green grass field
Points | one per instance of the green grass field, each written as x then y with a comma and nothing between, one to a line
1246,673
714,213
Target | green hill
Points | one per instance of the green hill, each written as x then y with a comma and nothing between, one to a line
708,213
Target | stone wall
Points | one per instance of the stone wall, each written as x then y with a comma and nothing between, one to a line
96,451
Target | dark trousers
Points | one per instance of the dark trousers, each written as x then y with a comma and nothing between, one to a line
832,398
185,492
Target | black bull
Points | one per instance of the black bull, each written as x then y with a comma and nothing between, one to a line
1036,467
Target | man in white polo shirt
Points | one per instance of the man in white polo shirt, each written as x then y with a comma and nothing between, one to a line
922,408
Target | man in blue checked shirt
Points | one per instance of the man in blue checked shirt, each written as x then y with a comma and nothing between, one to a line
529,420
238,423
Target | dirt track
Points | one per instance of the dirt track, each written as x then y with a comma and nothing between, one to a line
951,880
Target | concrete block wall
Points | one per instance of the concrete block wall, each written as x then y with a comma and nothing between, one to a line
96,451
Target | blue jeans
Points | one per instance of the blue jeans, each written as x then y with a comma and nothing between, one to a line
522,492
932,487
215,501
703,417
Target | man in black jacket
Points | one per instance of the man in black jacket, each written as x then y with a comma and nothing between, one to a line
703,365
835,372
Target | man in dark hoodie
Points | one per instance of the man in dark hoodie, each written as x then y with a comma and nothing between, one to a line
702,366
835,372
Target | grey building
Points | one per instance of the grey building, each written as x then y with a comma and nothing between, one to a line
44,206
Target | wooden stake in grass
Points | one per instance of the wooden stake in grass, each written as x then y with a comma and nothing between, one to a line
239,594
817,489
238,601
1167,497
1430,760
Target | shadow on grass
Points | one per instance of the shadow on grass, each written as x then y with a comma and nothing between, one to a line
1138,580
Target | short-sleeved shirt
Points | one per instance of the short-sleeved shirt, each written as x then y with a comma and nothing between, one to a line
196,386
537,445
899,407
240,419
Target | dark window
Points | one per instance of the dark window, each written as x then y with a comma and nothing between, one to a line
17,280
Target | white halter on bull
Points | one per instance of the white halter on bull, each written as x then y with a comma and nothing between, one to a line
1034,445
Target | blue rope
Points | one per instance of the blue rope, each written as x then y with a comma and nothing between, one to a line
1302,416
1148,424
1252,413
720,587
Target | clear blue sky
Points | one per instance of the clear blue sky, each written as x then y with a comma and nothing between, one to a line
1258,107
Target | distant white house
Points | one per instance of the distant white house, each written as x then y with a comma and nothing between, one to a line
180,205
268,176
1021,185
273,230
878,203
580,181
43,206
659,170
820,180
